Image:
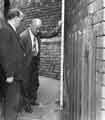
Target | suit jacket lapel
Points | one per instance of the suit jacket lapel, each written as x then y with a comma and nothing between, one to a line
38,39
29,40
17,36
18,40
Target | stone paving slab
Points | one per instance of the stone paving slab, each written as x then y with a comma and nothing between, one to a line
47,95
41,114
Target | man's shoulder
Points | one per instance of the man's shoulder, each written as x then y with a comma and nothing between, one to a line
5,30
5,33
24,33
7,27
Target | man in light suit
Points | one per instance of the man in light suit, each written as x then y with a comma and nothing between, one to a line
31,40
12,62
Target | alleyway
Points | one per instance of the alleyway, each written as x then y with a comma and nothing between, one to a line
48,93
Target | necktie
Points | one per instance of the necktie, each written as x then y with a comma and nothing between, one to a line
35,46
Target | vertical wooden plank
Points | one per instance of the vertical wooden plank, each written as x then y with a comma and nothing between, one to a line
84,80
93,78
79,78
77,84
73,92
90,57
75,80
72,78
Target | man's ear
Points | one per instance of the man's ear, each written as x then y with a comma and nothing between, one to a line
15,19
30,25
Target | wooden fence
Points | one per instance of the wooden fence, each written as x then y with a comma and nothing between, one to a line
80,70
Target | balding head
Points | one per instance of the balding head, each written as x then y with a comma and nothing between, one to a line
37,22
35,25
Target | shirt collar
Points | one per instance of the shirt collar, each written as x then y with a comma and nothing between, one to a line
31,34
12,25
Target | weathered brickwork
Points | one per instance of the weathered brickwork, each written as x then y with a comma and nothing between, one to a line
50,58
85,38
49,12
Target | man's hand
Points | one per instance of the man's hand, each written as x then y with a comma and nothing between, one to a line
59,23
9,79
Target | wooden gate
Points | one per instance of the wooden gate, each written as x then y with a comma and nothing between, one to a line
79,70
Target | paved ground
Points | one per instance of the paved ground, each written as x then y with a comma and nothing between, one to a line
48,93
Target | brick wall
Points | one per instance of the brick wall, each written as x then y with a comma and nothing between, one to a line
85,49
99,26
50,13
50,58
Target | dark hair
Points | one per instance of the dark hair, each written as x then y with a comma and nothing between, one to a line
13,13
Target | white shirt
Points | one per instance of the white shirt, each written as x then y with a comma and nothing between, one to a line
12,25
32,37
32,41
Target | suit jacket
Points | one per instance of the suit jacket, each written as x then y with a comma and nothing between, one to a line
26,41
12,54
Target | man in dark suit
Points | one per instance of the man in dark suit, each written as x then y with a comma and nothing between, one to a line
31,40
12,62
4,8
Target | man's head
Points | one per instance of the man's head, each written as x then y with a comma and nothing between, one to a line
35,25
15,16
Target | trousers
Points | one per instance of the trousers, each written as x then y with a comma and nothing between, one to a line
34,79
